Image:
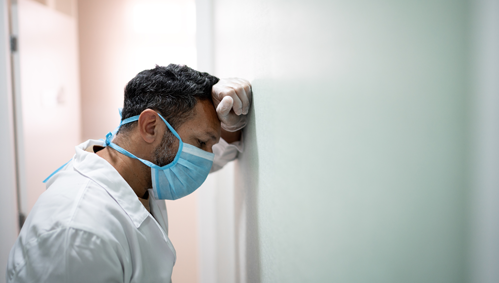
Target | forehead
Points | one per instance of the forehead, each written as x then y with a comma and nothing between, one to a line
204,120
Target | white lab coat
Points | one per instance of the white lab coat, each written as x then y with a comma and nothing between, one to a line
89,226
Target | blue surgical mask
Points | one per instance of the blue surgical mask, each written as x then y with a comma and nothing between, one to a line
182,176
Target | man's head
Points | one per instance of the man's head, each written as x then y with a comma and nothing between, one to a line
183,97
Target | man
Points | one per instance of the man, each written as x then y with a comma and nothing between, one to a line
103,218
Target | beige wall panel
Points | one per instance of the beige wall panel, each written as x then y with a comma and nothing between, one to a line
50,93
116,43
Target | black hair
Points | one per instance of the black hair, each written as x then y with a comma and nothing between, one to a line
173,91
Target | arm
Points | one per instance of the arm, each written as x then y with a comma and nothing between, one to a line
90,258
66,255
232,100
231,137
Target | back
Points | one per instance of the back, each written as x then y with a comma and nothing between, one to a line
89,226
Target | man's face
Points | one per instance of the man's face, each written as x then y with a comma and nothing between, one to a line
202,130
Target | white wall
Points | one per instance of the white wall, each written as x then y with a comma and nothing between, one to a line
485,140
355,167
215,206
8,200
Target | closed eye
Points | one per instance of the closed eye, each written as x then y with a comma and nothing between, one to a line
201,143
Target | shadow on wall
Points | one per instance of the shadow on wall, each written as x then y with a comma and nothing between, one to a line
245,206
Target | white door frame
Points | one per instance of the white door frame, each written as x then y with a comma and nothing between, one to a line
8,191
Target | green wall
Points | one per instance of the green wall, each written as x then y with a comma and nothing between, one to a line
354,163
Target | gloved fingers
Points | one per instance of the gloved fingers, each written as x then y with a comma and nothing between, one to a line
238,104
226,89
243,90
216,94
243,96
230,121
224,107
247,88
238,89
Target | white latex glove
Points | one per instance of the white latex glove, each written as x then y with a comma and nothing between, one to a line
232,99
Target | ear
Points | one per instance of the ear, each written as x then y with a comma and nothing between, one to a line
149,126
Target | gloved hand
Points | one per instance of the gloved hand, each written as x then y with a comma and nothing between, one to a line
232,99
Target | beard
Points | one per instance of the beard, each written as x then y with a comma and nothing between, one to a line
165,153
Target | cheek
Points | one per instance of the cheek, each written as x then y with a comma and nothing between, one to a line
209,148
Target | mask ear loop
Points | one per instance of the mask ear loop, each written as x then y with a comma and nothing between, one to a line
110,136
180,142
53,173
123,151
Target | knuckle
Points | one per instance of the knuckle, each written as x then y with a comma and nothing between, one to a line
239,88
227,92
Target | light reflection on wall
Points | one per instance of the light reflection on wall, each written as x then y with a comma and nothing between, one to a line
167,32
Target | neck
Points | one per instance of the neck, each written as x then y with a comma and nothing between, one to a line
135,173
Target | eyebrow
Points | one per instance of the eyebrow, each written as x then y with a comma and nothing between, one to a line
210,135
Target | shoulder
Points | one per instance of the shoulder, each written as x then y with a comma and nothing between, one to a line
73,201
98,212
74,227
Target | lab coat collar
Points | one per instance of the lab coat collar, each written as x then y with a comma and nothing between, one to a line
99,170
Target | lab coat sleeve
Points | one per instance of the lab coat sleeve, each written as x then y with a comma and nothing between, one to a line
90,258
224,153
66,255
